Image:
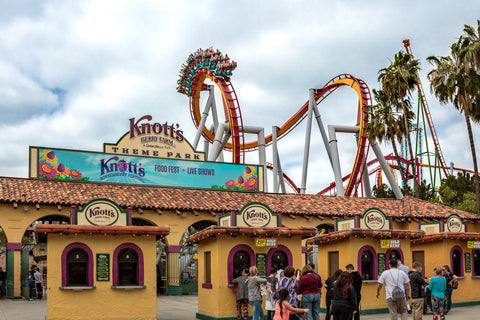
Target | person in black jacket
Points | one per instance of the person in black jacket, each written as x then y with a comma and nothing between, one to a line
344,299
357,285
329,285
417,285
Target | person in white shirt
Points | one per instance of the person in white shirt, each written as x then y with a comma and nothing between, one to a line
395,278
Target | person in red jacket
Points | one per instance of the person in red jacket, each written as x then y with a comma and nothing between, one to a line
309,287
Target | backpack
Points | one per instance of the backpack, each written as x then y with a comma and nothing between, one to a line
397,293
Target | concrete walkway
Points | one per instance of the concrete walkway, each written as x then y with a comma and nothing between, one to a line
183,308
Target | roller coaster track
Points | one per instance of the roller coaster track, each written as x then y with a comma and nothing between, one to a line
212,65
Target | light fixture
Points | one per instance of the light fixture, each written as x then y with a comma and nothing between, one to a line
25,208
184,214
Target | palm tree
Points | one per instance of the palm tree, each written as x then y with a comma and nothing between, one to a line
457,82
397,81
383,124
470,46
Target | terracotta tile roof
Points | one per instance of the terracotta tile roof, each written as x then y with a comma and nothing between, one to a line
67,193
362,233
213,231
72,229
432,237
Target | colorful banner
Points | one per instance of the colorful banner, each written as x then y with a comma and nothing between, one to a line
64,164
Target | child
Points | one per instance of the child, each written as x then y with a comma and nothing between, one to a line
242,295
271,289
283,308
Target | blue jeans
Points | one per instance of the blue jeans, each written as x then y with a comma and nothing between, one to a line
312,302
257,310
448,296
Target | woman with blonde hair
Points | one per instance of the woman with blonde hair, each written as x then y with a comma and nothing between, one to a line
254,294
437,286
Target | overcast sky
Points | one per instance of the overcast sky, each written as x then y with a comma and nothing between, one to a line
73,72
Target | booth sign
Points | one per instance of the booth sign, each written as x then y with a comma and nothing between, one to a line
101,212
375,219
256,215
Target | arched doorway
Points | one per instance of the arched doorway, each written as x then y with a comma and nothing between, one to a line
188,258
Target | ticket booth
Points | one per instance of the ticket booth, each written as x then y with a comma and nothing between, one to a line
100,266
368,243
448,243
251,237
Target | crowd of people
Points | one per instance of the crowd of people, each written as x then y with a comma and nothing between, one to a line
407,290
291,293
296,294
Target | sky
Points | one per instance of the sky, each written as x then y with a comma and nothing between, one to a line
73,72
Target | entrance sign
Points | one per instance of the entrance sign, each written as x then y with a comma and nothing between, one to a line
101,212
454,224
257,214
62,164
468,262
382,263
147,138
103,267
375,219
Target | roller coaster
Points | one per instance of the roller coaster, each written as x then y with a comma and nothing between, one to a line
205,69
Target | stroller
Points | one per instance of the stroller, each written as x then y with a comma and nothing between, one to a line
427,303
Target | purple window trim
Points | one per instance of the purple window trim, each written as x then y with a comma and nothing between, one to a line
388,255
304,249
279,248
473,261
233,218
374,258
357,221
207,286
14,246
88,251
460,251
240,247
73,215
129,216
173,249
139,252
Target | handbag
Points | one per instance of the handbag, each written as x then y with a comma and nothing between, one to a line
455,285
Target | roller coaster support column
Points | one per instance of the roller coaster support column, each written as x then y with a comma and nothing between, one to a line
209,105
386,170
318,117
262,156
306,152
218,142
277,167
337,172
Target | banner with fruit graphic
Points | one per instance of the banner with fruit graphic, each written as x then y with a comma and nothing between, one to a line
64,164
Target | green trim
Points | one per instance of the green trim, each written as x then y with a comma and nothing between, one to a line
174,290
10,273
202,316
466,304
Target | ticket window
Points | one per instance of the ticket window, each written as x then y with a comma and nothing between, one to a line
367,265
279,260
77,268
241,261
476,262
127,267
394,254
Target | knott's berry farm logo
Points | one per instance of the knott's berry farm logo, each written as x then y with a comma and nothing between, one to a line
454,224
374,219
256,215
101,213
115,167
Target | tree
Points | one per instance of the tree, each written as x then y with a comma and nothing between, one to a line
457,192
457,82
397,81
382,124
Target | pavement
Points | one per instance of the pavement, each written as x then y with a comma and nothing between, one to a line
184,308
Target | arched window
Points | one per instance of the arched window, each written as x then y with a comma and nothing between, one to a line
279,257
77,266
394,253
476,262
241,249
127,266
456,257
367,263
241,261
